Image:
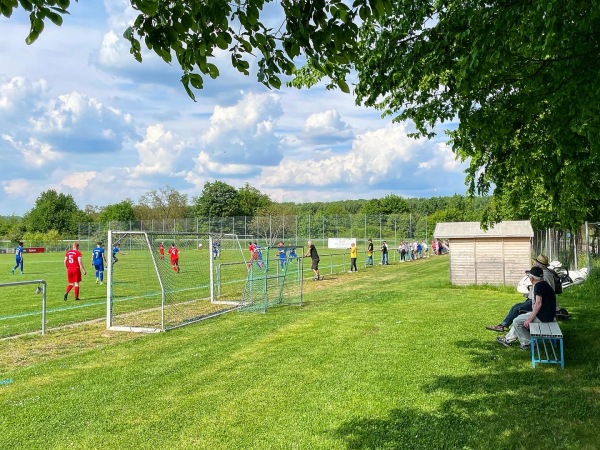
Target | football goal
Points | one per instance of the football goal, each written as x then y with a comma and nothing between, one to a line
274,277
160,281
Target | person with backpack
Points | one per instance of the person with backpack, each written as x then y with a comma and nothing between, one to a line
527,306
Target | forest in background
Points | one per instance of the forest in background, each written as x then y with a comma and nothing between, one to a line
57,216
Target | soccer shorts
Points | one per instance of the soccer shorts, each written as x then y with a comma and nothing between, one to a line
74,275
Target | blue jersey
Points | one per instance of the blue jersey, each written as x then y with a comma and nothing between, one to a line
115,251
18,253
98,255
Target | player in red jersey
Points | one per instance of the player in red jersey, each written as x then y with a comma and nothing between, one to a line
161,250
174,253
74,265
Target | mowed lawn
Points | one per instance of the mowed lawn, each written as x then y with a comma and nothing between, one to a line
388,358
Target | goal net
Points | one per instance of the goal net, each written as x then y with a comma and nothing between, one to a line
152,290
274,278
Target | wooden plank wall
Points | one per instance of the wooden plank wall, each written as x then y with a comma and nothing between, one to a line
489,260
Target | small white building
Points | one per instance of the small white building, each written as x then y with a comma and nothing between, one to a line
497,256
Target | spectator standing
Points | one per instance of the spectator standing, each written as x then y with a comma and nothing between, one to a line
353,256
314,257
384,254
370,253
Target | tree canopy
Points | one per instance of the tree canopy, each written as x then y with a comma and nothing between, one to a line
523,80
54,211
218,199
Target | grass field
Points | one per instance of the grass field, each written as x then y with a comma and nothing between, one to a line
388,358
136,289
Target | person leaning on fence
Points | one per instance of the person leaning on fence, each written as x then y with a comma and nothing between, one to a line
314,256
544,310
370,253
518,308
384,254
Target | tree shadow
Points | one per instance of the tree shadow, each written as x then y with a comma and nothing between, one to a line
503,404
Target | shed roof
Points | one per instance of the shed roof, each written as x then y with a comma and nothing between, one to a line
509,228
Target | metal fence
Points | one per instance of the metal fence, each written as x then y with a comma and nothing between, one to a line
573,248
290,229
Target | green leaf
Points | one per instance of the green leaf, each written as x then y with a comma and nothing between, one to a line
221,43
343,86
55,18
148,7
32,37
213,70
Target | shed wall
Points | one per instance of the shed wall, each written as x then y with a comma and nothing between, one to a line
495,261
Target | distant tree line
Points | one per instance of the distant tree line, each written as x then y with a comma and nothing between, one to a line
55,215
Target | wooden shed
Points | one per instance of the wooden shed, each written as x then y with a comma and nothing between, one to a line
497,256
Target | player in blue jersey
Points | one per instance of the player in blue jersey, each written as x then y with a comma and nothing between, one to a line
18,258
98,261
116,249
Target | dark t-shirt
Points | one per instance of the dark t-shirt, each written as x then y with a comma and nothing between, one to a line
548,311
313,252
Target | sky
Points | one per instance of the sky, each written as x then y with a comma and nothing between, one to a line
79,115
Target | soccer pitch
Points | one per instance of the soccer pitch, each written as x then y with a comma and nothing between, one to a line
136,289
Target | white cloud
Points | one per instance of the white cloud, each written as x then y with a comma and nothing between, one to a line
16,186
34,152
79,180
75,122
245,133
326,128
380,159
159,152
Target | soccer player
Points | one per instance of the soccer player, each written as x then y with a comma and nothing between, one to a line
116,249
174,253
281,253
98,261
292,252
74,266
161,250
18,257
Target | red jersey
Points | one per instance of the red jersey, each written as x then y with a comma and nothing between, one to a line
161,249
174,252
72,259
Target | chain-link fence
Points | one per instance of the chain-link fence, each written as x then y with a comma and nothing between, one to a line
290,229
573,248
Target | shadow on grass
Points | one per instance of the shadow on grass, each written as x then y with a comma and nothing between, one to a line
509,409
505,405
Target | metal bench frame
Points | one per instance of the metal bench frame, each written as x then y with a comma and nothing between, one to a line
544,339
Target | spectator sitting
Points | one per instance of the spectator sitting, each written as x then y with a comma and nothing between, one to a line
544,310
518,308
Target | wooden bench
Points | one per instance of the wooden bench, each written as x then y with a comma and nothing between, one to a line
544,339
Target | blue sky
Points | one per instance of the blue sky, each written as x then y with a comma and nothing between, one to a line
79,115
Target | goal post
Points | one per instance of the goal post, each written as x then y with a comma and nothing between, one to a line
275,277
150,291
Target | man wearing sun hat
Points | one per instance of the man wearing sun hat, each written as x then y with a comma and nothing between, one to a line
540,261
544,310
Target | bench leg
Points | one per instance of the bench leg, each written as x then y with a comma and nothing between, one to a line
562,354
532,346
